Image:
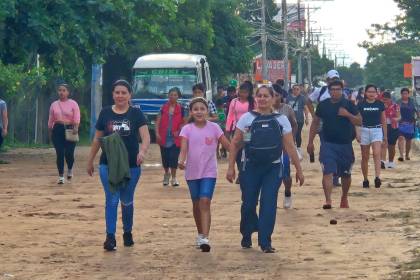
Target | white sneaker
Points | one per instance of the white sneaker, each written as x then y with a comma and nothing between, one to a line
69,174
205,244
391,165
60,180
174,182
166,178
198,240
299,152
287,202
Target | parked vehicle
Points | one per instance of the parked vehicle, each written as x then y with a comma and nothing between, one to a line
155,74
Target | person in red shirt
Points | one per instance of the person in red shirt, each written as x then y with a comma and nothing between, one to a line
392,114
168,125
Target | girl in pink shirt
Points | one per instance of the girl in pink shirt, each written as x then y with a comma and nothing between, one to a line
198,157
64,114
242,104
239,106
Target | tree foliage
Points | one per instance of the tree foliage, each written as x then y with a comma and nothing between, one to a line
386,59
404,27
385,63
352,75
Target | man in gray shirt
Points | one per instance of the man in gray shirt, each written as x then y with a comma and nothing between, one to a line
298,103
3,120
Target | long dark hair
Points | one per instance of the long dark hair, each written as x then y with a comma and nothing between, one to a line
249,87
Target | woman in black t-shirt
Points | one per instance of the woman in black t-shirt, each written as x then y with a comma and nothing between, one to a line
130,123
372,133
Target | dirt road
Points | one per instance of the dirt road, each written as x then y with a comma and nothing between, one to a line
56,232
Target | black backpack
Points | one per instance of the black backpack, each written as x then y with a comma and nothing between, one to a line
321,93
266,144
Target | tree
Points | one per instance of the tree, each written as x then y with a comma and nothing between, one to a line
404,27
230,52
385,63
353,75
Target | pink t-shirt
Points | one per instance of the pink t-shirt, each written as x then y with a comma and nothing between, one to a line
67,112
202,145
236,110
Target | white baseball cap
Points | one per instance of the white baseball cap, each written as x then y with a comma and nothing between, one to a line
333,74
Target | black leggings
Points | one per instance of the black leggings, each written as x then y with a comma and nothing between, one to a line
299,134
63,148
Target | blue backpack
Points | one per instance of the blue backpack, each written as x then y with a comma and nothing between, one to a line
266,141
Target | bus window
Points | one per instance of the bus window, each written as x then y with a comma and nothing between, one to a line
155,83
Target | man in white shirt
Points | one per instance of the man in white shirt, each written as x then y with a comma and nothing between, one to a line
322,93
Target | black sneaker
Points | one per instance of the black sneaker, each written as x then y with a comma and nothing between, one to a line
400,159
382,165
246,242
110,242
378,182
268,250
128,239
366,183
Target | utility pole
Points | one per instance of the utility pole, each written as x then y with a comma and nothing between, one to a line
309,50
299,76
286,44
264,42
95,96
36,100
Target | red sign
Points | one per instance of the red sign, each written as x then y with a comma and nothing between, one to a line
275,70
408,70
296,25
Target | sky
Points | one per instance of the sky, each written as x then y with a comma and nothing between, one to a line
347,21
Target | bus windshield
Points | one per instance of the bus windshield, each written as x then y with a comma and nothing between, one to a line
155,83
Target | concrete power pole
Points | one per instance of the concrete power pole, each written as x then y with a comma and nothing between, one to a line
299,76
309,51
264,42
95,96
286,44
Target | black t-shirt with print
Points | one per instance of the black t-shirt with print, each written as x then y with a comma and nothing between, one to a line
336,129
371,112
127,125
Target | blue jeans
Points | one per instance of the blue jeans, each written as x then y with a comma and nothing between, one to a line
267,180
126,195
201,188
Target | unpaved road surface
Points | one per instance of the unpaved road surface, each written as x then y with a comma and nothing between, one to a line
56,232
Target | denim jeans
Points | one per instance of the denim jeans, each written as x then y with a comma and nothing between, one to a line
126,195
200,188
256,179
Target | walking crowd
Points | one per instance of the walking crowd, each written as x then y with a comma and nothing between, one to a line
259,131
